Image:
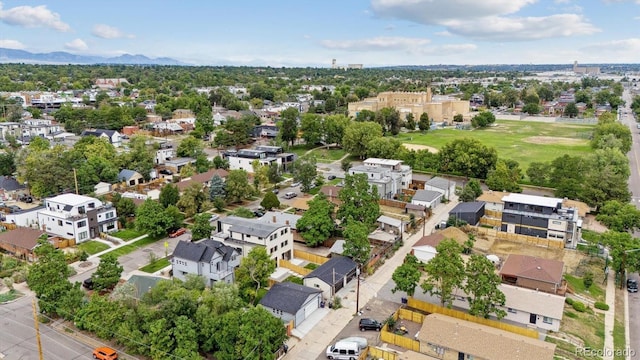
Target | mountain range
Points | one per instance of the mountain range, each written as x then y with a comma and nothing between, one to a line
61,57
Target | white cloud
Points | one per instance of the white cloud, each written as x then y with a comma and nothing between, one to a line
526,28
108,32
76,45
449,49
624,50
485,20
11,44
375,44
33,16
443,33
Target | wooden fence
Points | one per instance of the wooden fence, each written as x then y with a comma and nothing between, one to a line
9,226
490,221
522,239
295,268
493,214
316,259
408,343
393,203
377,353
432,308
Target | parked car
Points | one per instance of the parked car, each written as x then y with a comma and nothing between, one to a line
166,172
290,195
275,191
177,232
331,177
14,208
369,324
88,283
105,353
258,213
632,285
26,198
295,184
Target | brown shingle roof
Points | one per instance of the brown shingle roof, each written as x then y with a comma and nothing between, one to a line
449,233
494,197
430,240
201,178
24,238
481,341
529,267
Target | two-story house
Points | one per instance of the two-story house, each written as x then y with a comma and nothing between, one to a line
209,258
396,169
245,234
77,217
113,136
381,178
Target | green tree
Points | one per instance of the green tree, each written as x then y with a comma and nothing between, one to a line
305,171
289,125
48,277
531,108
169,195
423,122
474,184
623,259
161,341
333,129
571,110
468,157
482,288
407,276
311,127
270,201
216,188
410,122
458,118
201,228
383,147
237,186
483,119
139,157
192,199
357,136
567,175
152,218
445,272
7,163
606,178
185,335
504,178
359,201
619,217
316,224
467,194
125,207
619,130
190,147
253,272
274,173
356,242
108,272
539,173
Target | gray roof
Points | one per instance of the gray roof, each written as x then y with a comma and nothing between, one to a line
126,174
440,183
426,195
10,184
144,283
202,251
467,207
254,227
281,218
368,169
287,296
336,268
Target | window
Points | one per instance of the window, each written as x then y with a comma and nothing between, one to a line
513,311
108,215
92,205
59,222
81,210
82,235
547,320
556,222
82,223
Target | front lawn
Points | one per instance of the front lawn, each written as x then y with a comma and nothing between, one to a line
127,234
596,292
129,248
156,265
93,247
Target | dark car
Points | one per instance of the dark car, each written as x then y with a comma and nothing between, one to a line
258,213
632,285
275,191
14,208
166,172
370,324
88,284
331,177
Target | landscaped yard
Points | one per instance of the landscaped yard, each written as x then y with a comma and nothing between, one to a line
9,296
129,248
587,326
93,247
522,141
127,234
156,265
596,292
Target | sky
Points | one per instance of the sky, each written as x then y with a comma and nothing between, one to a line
313,32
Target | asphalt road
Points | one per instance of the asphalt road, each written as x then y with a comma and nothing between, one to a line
18,336
634,187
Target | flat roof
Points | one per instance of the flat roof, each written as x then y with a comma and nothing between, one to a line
71,199
383,161
532,200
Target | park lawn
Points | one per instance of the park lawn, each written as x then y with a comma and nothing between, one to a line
156,265
127,234
328,156
523,141
129,248
93,247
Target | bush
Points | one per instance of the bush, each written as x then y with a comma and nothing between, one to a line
601,306
579,306
587,280
570,314
569,301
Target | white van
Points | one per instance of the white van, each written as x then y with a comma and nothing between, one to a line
344,350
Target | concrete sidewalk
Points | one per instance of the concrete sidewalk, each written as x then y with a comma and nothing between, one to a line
609,316
317,339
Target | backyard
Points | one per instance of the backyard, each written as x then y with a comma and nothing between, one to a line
522,141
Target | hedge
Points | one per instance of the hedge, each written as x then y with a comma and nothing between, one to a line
601,306
579,307
569,301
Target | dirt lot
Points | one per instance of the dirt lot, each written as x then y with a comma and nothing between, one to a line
420,147
503,248
543,140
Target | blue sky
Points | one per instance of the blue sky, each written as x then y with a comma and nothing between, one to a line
311,33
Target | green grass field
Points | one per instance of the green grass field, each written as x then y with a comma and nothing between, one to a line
156,265
127,234
93,247
522,141
322,154
129,248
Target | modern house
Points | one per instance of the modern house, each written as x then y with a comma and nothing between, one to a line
331,276
470,212
209,258
534,273
381,178
112,136
447,337
77,217
20,242
291,302
429,199
396,167
130,177
164,153
284,219
542,217
10,188
444,186
265,155
245,234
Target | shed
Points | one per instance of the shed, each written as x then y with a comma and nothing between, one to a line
389,224
471,212
441,185
427,198
289,301
332,276
131,177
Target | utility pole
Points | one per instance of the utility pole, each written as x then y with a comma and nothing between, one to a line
358,291
75,180
35,319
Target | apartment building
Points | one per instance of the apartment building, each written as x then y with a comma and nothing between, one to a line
245,234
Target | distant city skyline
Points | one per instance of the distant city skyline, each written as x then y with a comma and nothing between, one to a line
312,33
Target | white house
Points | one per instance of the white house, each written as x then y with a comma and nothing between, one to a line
245,234
442,185
427,198
77,217
386,184
209,258
114,137
289,301
396,168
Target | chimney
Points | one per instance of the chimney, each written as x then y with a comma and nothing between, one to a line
287,222
274,219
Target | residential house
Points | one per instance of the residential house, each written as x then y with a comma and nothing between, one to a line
425,248
10,188
534,273
277,239
284,159
543,217
419,211
210,259
390,225
533,308
332,193
112,136
396,168
144,283
444,186
428,199
331,276
286,219
77,217
265,155
470,212
164,153
450,338
102,188
20,242
203,179
291,302
130,177
177,164
493,201
388,186
265,130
